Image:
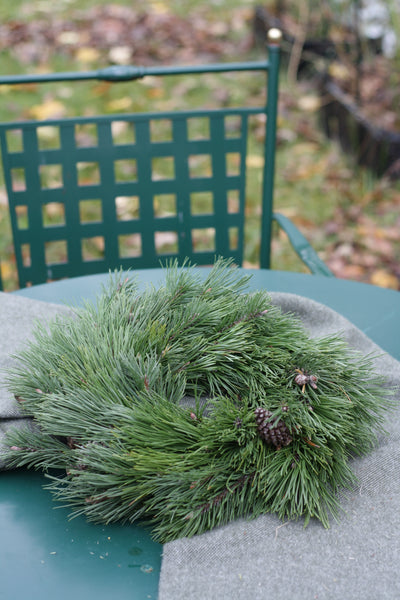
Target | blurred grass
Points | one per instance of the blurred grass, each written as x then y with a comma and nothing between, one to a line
313,179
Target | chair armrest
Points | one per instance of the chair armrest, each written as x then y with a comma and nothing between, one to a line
302,247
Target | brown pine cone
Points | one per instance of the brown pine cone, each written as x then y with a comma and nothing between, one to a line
273,432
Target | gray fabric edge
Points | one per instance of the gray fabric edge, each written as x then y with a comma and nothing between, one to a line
19,317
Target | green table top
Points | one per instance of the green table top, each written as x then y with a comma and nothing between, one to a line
46,555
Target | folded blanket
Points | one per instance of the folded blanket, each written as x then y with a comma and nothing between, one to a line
357,557
18,316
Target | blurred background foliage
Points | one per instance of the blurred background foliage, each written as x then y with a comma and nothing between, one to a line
351,218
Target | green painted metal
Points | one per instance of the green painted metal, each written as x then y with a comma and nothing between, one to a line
48,555
131,72
269,158
302,247
191,212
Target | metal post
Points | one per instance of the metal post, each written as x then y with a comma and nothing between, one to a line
274,37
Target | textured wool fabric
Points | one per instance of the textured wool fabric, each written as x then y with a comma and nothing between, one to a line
18,316
357,558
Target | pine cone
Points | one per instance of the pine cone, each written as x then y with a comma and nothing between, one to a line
276,432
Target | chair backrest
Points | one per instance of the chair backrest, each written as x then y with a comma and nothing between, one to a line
173,207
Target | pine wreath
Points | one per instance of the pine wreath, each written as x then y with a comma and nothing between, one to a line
193,404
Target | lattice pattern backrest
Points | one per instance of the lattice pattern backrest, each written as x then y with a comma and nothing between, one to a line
91,194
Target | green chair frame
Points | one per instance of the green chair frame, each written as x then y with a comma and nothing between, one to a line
25,161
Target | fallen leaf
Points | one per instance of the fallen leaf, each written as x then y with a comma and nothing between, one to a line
339,71
54,210
69,38
160,8
379,246
5,89
50,109
354,272
155,93
306,169
254,161
309,103
120,103
383,278
120,55
7,270
165,238
305,148
289,211
87,55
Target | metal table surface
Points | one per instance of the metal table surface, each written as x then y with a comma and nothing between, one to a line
47,555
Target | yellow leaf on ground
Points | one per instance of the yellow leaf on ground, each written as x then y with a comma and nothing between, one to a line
69,38
7,270
160,8
254,161
54,209
339,71
309,103
120,55
382,278
87,55
155,93
48,110
289,211
354,272
120,104
306,148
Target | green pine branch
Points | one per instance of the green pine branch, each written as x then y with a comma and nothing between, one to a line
148,402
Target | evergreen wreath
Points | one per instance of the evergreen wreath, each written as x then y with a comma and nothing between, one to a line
191,405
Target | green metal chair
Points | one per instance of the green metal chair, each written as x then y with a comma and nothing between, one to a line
206,211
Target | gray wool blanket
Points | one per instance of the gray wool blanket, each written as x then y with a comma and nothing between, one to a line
357,558
18,317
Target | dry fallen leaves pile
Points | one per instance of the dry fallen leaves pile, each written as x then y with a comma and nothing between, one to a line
122,34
